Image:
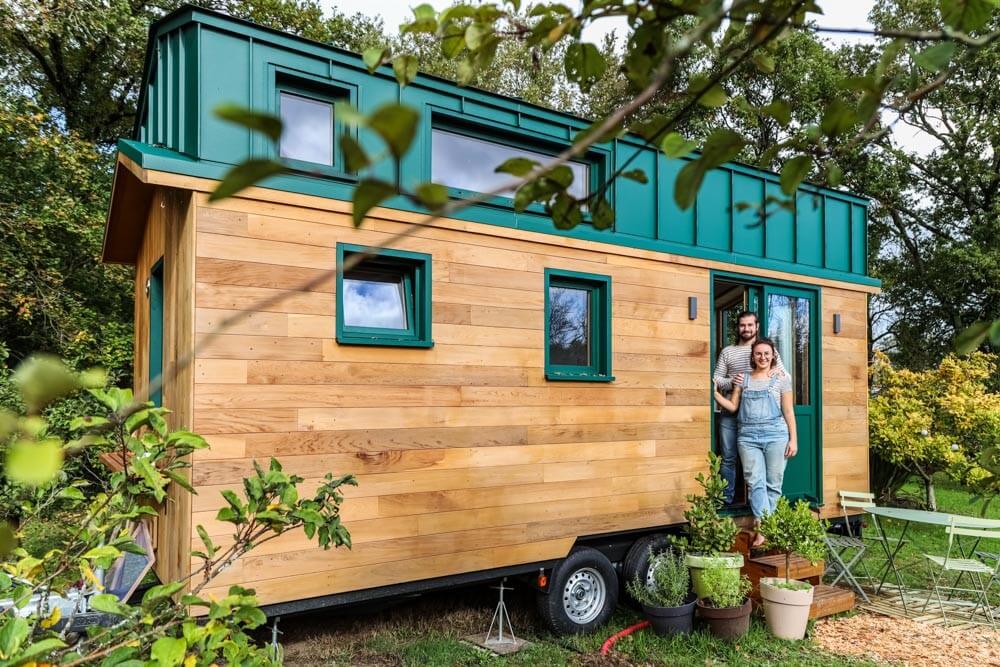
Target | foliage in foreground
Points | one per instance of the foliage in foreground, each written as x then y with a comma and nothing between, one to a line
794,530
160,629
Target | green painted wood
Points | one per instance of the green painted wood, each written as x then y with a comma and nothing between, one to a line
199,59
155,289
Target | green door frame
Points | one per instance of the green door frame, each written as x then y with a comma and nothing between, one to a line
816,363
155,294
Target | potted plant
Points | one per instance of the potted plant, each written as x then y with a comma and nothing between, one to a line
726,607
665,596
787,601
709,535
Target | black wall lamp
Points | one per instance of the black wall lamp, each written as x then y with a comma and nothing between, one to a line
836,323
692,307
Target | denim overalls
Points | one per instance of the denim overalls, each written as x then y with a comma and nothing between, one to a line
763,436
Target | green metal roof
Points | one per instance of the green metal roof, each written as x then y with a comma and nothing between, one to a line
198,59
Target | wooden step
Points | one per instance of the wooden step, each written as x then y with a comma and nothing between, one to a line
830,600
773,565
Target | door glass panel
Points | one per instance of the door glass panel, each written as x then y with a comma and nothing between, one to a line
569,326
788,327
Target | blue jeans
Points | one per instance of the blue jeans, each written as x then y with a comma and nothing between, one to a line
762,451
727,445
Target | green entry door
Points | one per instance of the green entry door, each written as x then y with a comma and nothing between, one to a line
790,321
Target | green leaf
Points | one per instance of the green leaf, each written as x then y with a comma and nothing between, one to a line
453,41
675,146
355,157
42,378
405,68
637,175
935,58
584,64
179,480
154,480
995,333
837,119
565,212
431,195
243,175
834,174
972,337
562,175
105,551
474,35
367,195
794,171
109,604
34,463
764,62
518,166
688,183
206,540
779,110
397,125
966,15
374,56
721,146
265,123
39,649
12,635
163,591
602,213
168,651
710,95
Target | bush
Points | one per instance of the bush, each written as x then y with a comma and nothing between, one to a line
794,530
725,587
670,584
709,533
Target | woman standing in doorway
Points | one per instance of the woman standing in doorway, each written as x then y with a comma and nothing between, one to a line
767,438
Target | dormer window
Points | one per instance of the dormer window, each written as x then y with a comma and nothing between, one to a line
307,133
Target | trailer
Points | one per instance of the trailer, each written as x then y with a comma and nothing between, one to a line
514,399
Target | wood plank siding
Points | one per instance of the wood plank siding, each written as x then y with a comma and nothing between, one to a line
169,235
467,458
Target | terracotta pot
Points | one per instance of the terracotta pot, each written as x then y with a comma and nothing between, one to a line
786,610
672,620
726,622
697,563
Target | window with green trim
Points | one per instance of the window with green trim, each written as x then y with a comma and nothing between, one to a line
577,326
309,125
383,298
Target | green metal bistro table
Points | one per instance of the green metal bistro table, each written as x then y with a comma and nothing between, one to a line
908,516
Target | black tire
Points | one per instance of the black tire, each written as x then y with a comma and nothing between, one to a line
582,594
636,563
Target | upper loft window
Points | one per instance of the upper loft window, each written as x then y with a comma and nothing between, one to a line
307,134
469,163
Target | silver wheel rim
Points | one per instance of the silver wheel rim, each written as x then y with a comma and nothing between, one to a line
584,595
651,572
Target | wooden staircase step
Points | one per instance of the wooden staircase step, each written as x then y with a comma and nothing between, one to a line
773,565
829,600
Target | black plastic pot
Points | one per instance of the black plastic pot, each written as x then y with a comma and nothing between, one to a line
726,622
672,620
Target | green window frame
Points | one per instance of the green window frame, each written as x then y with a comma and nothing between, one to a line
598,288
315,91
154,292
414,269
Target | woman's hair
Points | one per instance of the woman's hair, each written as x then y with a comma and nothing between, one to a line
769,343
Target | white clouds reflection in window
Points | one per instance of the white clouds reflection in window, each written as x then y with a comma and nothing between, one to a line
308,129
374,299
467,163
569,326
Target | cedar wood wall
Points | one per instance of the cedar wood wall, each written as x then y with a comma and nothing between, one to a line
467,457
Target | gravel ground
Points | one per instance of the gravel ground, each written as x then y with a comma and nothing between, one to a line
904,642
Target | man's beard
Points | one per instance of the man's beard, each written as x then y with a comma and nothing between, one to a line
747,336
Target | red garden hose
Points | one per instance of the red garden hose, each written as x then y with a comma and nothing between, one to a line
610,642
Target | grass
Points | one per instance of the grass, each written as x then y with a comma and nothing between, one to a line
915,570
429,631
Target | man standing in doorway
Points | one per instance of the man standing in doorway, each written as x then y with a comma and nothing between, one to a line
733,362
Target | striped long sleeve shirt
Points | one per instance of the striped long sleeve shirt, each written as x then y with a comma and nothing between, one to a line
735,359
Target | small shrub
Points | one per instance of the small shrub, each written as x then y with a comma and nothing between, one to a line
670,584
708,533
794,530
725,587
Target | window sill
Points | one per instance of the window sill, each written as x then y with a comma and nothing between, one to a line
382,341
578,377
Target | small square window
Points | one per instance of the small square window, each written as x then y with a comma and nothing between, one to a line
384,299
307,132
577,326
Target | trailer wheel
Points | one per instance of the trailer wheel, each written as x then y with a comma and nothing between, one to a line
583,593
636,563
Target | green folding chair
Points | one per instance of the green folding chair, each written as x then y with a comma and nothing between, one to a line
980,574
890,545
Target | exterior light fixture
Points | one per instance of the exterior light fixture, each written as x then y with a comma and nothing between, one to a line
692,307
836,323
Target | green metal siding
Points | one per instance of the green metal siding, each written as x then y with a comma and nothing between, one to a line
200,59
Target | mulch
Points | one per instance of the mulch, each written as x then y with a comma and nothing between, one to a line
905,642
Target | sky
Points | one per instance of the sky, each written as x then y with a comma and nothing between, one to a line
836,14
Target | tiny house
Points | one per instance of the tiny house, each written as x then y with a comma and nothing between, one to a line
513,398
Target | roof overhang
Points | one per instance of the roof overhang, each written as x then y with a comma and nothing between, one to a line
131,194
